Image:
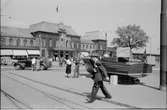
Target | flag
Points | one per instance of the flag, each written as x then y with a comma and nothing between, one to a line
57,9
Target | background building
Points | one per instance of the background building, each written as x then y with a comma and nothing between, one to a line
56,40
17,42
95,39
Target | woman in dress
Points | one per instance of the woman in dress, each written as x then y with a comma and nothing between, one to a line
68,67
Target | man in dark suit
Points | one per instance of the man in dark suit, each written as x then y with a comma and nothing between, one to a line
99,74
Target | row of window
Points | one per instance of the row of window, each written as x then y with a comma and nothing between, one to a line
61,43
51,43
88,46
17,42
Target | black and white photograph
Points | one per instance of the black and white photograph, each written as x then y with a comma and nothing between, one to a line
83,54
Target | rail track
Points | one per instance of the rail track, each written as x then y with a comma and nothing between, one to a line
62,100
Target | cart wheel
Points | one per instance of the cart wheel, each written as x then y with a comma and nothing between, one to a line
17,67
42,67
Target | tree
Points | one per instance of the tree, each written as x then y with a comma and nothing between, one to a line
130,36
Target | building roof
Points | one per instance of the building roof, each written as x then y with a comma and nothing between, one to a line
52,27
15,32
94,35
142,50
86,41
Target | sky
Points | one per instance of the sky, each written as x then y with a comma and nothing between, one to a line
88,15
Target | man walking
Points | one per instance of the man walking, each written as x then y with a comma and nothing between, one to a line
99,74
76,69
33,62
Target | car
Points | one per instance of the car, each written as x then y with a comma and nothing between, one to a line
26,63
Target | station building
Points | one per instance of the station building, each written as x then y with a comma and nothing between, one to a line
47,39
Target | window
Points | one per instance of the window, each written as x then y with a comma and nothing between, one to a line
77,45
72,45
101,47
3,41
25,42
83,46
43,43
55,43
18,42
50,43
10,41
31,42
87,46
66,43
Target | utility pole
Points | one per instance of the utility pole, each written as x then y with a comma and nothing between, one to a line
163,45
106,42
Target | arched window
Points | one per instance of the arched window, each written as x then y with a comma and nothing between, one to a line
10,41
83,46
18,42
50,42
31,42
3,41
66,43
86,46
25,42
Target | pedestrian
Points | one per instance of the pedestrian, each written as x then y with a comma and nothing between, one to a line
99,74
68,67
33,62
76,69
60,61
38,61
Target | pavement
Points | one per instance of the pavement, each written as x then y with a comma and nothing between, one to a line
50,89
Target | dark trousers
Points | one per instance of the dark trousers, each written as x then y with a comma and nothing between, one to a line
76,71
96,87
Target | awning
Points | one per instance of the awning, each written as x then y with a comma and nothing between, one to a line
33,52
6,52
20,53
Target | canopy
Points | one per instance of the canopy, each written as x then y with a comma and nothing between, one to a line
20,53
33,52
123,52
6,52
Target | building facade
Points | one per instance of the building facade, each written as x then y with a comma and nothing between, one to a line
47,40
95,42
56,40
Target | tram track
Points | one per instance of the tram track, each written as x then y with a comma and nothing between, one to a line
68,103
17,102
72,91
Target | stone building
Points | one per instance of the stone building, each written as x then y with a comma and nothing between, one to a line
17,42
97,41
49,40
56,40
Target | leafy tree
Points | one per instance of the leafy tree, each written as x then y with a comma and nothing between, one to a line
130,36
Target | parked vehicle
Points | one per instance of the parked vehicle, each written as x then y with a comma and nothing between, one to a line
127,72
26,63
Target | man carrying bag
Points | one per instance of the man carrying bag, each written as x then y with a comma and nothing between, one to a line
99,74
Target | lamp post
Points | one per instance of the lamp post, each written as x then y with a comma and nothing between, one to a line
163,39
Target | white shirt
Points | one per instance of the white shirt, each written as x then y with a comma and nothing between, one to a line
69,62
33,61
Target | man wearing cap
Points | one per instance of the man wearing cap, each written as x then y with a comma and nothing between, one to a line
99,74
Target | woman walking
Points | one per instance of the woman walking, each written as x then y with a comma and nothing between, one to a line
68,67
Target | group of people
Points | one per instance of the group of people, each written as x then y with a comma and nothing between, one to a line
96,69
69,62
98,74
35,61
